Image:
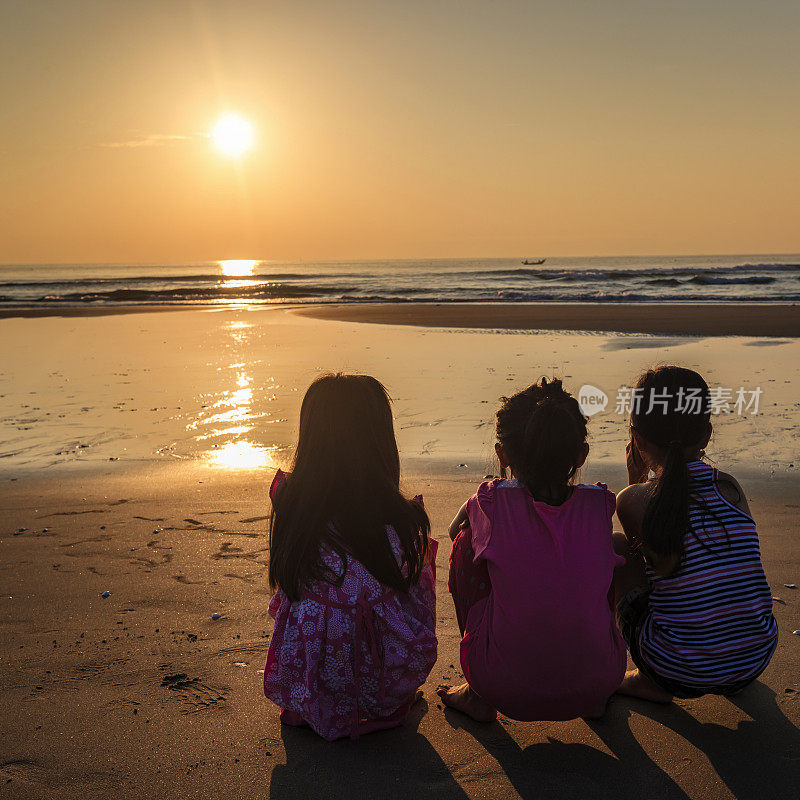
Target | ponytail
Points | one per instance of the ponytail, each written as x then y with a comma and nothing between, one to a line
666,517
673,414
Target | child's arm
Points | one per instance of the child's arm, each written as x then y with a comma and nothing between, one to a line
631,505
460,521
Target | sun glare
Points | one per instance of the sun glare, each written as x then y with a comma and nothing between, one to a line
233,135
240,455
237,267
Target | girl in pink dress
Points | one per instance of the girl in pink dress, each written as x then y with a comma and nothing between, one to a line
532,570
353,567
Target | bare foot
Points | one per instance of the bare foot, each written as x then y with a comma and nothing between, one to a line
637,685
463,699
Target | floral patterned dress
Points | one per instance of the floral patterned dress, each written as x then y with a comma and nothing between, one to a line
348,659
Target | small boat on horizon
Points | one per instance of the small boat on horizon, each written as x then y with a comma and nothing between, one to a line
534,263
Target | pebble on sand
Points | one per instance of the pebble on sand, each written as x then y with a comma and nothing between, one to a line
216,615
790,585
106,594
796,633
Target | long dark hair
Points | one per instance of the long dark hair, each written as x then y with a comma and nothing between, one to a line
543,431
343,491
671,410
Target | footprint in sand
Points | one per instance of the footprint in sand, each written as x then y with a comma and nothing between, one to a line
22,770
183,579
255,647
87,511
71,513
227,550
166,558
101,538
153,544
240,577
192,693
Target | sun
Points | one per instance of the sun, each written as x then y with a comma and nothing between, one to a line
233,135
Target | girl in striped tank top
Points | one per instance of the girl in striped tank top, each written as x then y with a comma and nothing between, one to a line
700,621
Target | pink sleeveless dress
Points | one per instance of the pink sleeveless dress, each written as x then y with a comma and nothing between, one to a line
348,659
543,643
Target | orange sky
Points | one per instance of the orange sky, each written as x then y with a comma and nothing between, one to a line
394,130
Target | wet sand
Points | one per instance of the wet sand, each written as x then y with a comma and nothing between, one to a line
691,319
224,385
684,319
143,694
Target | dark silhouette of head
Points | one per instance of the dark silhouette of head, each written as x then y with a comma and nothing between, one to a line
343,491
541,433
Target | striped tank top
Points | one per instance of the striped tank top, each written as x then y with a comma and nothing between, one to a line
711,622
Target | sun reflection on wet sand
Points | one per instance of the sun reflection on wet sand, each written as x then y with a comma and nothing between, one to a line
216,433
225,426
240,455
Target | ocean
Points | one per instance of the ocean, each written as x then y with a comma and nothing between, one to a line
712,279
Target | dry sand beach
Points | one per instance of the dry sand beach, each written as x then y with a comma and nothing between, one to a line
137,449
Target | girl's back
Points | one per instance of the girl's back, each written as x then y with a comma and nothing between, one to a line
344,657
711,620
544,644
352,564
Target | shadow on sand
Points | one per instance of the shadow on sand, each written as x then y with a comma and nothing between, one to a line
756,759
396,763
759,758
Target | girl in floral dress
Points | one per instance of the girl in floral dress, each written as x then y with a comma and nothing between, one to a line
352,563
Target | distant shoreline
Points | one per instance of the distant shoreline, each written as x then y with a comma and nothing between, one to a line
695,319
674,319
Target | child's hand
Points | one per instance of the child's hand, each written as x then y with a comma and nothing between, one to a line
637,469
455,532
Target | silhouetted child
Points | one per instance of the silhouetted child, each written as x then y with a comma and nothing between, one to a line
531,573
355,607
700,621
